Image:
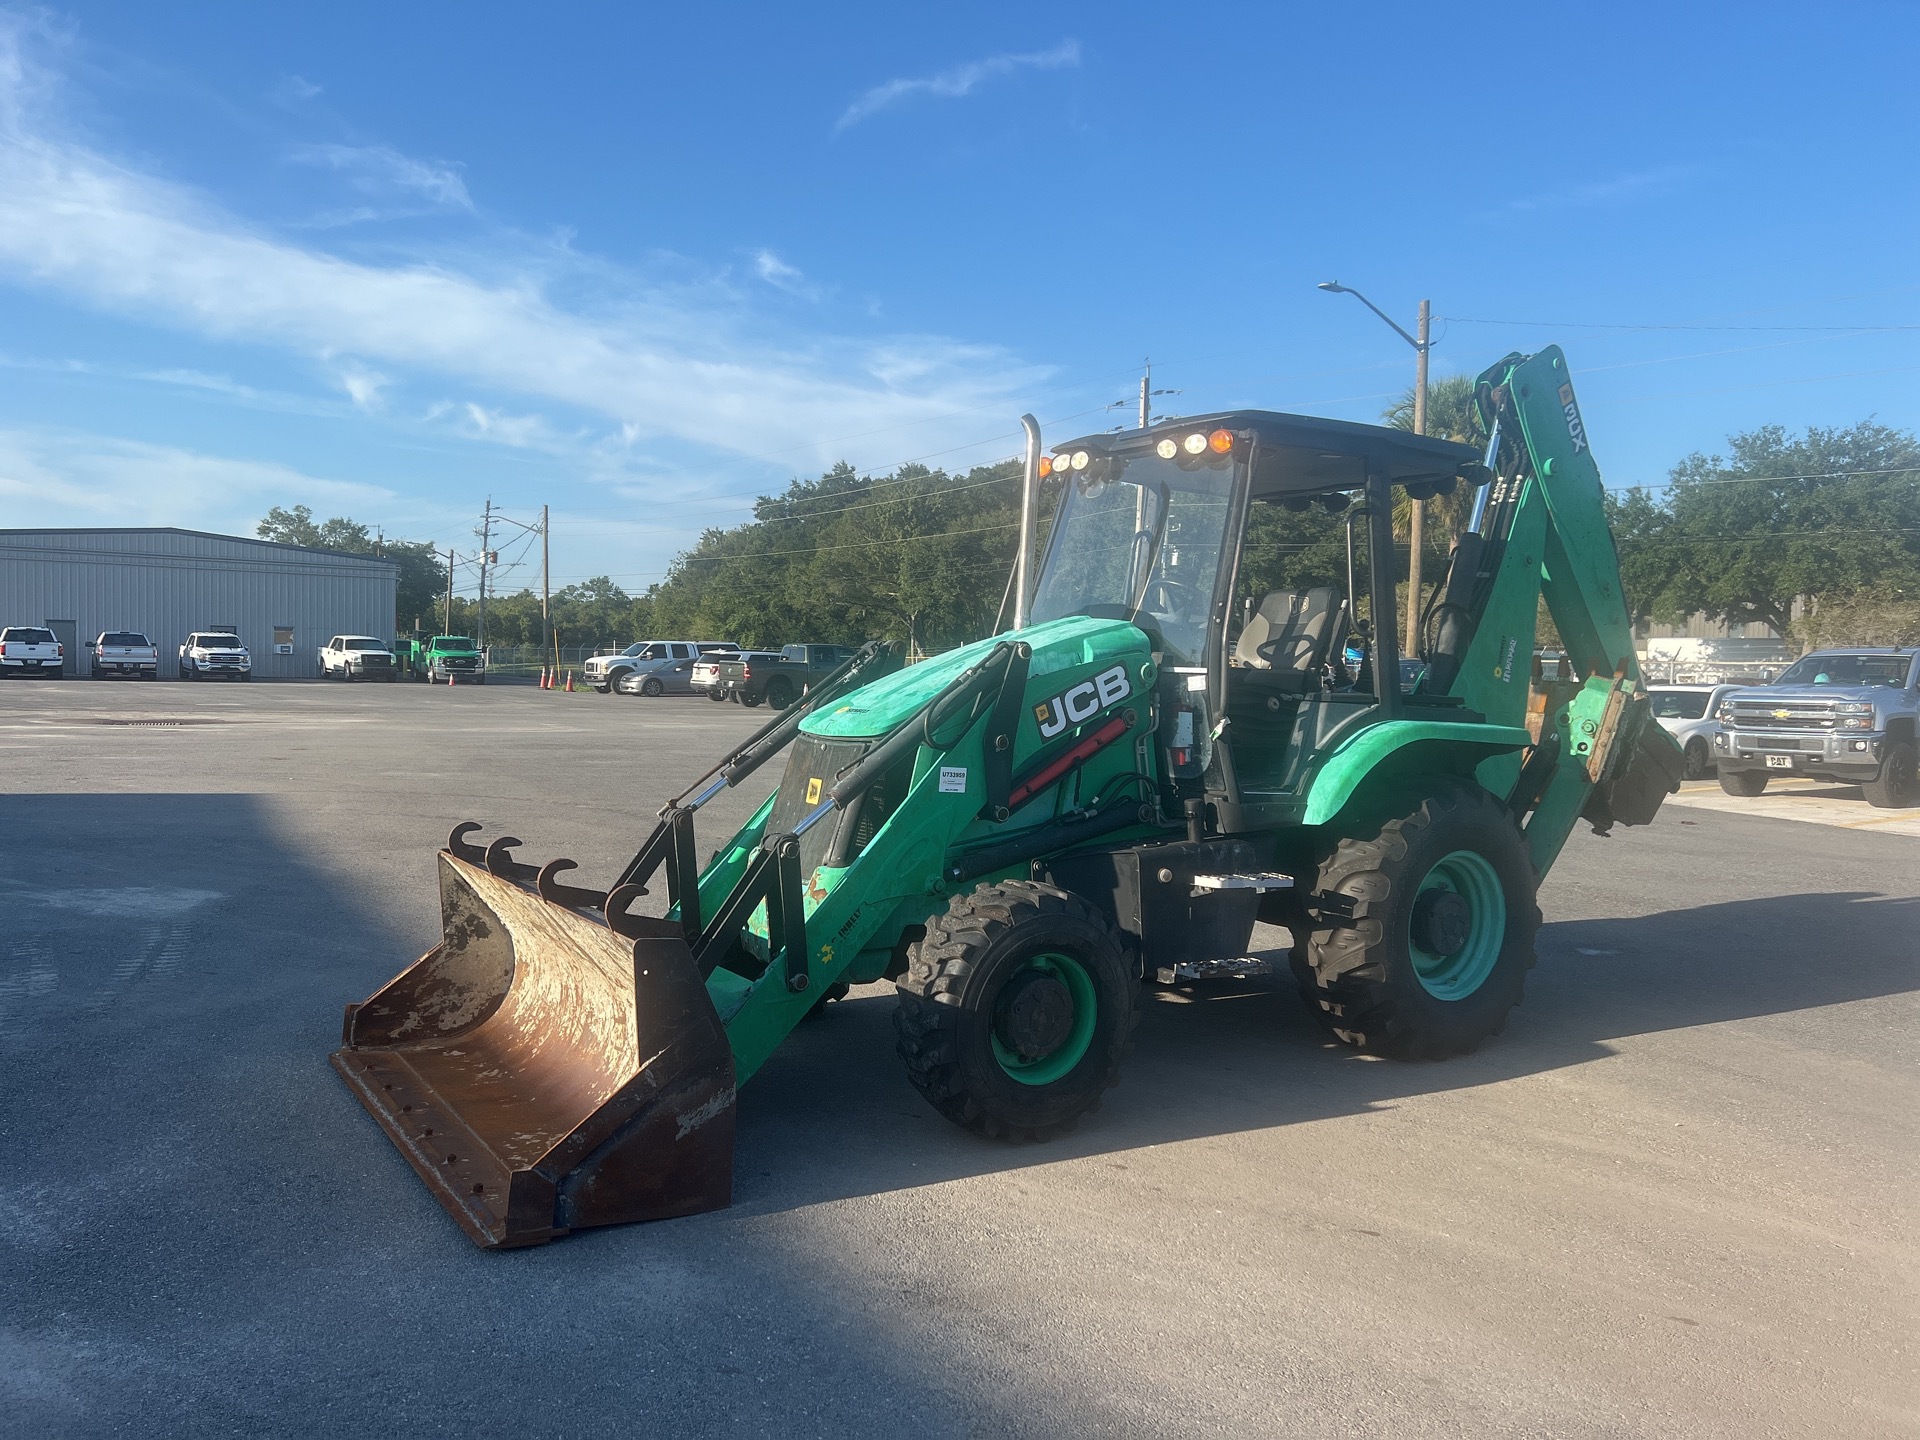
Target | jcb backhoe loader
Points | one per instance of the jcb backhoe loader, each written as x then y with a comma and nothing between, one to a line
1022,832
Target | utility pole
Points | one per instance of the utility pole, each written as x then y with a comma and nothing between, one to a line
546,600
1146,382
1417,527
486,554
447,629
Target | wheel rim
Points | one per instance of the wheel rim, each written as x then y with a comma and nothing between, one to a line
1459,973
1059,1061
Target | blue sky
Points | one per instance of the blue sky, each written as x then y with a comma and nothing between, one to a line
641,263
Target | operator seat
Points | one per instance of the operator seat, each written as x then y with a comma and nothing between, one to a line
1291,632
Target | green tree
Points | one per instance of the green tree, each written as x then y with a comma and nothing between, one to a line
1820,519
1451,415
422,579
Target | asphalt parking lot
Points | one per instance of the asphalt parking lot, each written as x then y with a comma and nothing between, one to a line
1676,1197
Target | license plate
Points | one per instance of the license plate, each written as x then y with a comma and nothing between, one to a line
1779,762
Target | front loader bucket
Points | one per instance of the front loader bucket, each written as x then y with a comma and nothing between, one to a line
543,1073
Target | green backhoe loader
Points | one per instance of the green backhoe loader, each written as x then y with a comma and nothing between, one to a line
1023,832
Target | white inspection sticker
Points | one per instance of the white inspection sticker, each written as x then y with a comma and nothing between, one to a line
953,779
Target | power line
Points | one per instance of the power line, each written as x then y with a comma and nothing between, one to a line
1596,325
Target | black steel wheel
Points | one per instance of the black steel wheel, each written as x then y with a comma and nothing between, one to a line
747,698
1898,785
780,692
1016,1010
1743,782
1699,759
1422,926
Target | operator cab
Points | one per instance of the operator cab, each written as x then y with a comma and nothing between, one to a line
1255,550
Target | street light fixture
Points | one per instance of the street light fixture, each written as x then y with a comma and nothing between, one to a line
1418,529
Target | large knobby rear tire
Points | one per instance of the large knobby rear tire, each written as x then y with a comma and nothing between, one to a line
1422,928
1016,1010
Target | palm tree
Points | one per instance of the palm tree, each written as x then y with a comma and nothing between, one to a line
1451,415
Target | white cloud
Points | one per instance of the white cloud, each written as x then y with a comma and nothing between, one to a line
382,170
681,364
1615,190
363,386
960,81
54,478
782,276
294,90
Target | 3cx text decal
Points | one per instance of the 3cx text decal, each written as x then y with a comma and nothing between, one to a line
1575,428
1087,698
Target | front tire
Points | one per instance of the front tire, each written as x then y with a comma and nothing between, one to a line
652,688
1745,783
1422,928
1898,785
1016,1010
1699,760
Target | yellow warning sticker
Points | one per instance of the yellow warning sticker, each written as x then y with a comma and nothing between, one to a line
813,790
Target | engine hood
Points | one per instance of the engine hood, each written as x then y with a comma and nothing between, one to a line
1804,693
1058,645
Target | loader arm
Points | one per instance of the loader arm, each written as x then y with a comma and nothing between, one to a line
1541,532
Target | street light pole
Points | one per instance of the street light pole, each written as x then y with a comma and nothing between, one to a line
1417,527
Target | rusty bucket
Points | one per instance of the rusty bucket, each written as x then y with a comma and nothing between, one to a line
543,1073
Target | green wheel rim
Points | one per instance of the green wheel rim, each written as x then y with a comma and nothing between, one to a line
1049,1068
1472,877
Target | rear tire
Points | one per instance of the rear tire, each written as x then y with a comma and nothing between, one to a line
1016,1010
752,702
1747,783
780,692
717,696
1395,969
1699,760
1898,787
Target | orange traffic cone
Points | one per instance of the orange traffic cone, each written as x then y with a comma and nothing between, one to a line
449,679
569,682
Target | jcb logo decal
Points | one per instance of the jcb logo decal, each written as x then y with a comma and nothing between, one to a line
1575,428
1084,700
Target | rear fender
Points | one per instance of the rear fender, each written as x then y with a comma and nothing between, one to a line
1404,746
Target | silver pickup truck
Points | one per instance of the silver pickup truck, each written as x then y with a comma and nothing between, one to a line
126,653
1847,716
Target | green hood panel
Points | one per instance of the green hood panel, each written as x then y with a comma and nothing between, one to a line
1058,645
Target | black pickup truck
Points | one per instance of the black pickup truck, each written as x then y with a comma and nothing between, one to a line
778,679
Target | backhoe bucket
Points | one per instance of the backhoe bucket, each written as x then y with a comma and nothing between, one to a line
543,1073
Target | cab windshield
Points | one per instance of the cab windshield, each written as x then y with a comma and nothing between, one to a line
1848,670
1140,539
452,642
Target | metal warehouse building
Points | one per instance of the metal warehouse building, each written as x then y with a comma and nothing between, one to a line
284,601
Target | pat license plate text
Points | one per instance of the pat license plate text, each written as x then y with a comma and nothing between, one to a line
1779,762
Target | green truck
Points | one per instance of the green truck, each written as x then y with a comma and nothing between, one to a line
438,659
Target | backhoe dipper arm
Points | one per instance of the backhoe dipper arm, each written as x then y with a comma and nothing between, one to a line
1544,535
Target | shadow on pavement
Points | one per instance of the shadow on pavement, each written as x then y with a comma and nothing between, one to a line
831,1115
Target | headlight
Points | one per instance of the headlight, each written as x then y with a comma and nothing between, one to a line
1724,714
1855,707
1856,722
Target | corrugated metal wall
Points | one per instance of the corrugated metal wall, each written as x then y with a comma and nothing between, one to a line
169,583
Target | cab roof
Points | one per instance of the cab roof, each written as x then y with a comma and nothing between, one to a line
1307,453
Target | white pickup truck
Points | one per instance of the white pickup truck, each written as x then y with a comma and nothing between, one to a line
126,653
357,657
30,650
215,652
